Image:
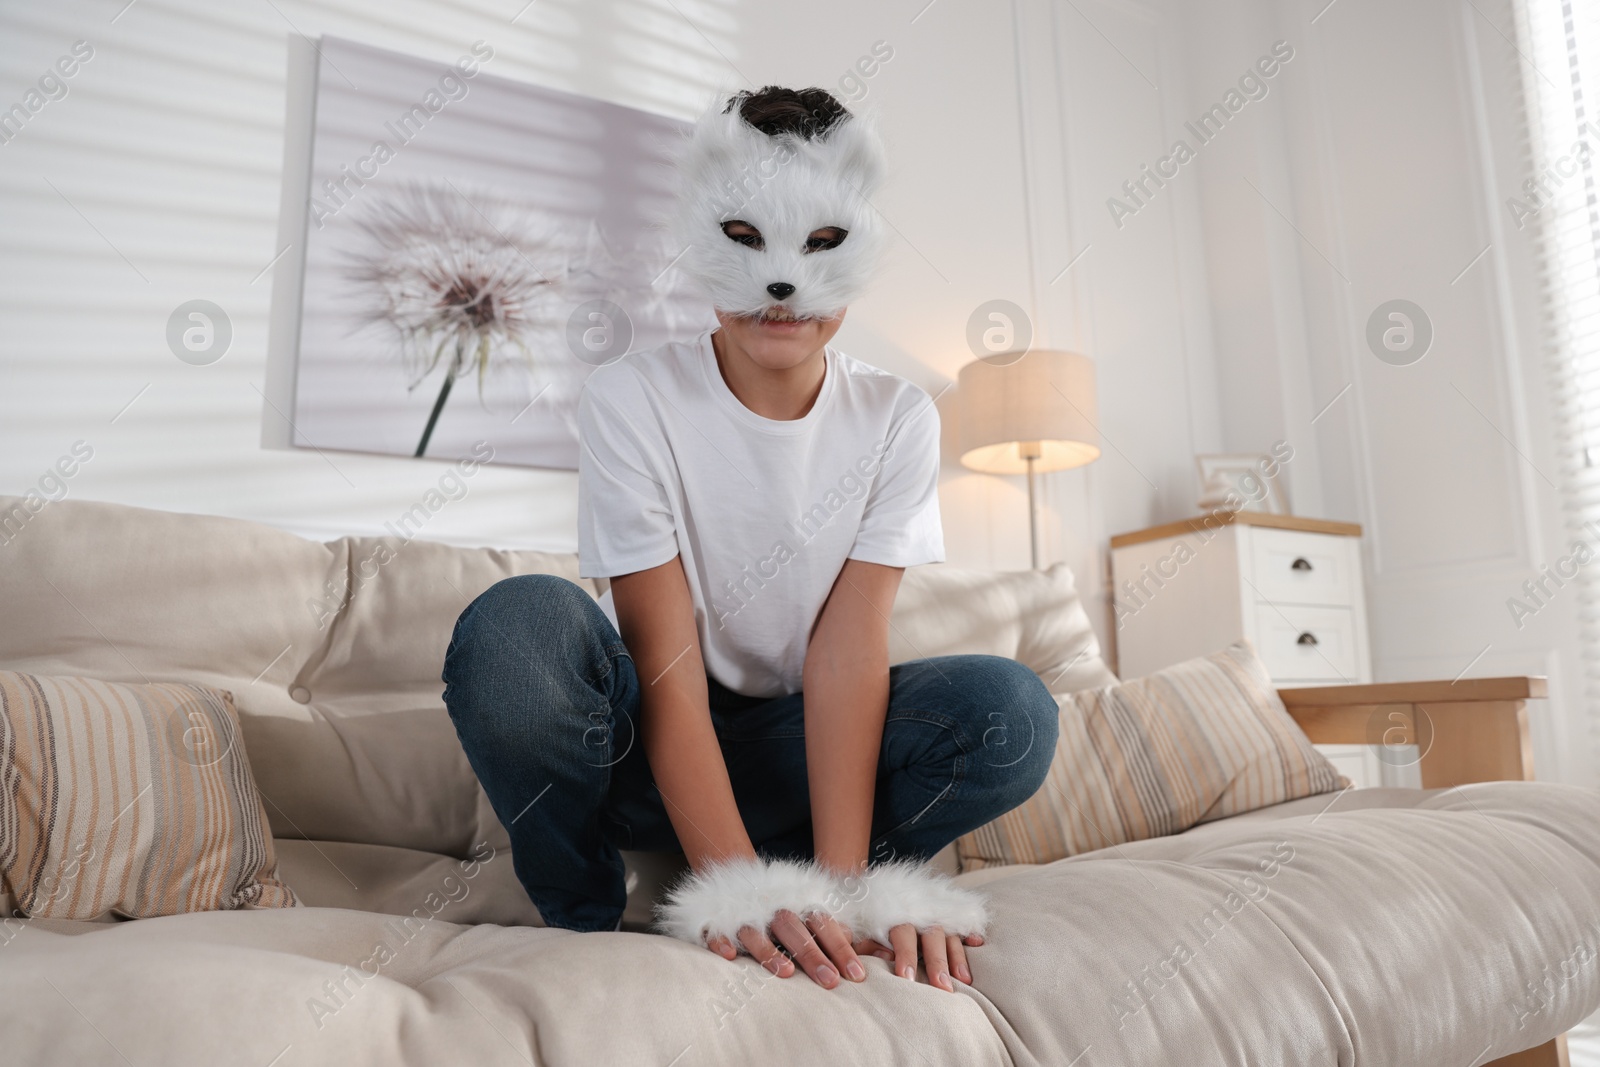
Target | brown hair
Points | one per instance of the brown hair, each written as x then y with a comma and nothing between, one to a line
803,113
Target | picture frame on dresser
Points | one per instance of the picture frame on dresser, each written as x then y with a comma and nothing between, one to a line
1292,586
1249,480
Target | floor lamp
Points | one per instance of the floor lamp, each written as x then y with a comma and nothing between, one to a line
1028,413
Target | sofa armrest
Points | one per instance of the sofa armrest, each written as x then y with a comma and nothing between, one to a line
1472,730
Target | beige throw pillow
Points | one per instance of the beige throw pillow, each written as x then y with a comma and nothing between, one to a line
1198,741
134,800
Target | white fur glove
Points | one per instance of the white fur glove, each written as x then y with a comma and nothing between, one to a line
723,899
901,892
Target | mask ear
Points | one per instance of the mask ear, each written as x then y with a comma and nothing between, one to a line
860,155
711,148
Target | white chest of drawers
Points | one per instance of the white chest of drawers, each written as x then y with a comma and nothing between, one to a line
1292,586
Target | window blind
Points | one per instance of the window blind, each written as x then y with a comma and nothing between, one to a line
1559,202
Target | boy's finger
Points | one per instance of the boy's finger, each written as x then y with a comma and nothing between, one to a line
722,947
957,953
835,941
903,938
935,961
868,947
764,952
807,953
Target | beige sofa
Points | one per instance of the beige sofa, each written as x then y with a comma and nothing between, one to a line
1404,928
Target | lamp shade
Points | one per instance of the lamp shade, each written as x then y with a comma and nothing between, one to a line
1041,404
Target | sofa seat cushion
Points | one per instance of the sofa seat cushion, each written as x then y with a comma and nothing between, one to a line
1386,926
388,880
1392,927
1184,847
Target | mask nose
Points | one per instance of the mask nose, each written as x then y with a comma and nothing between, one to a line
781,290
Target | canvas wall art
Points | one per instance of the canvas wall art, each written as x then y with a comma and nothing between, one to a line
474,246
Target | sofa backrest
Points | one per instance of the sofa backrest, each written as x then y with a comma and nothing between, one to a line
333,650
1034,617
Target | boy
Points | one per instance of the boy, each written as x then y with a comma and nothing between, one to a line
753,495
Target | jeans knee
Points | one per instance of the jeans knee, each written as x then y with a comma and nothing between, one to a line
529,643
526,609
1019,738
529,600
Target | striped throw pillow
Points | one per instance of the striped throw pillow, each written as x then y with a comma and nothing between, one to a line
135,800
1201,740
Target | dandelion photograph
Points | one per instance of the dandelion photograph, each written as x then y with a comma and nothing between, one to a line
474,246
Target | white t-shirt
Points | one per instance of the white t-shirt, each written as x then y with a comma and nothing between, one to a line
763,512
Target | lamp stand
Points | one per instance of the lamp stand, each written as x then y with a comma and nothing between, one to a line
1031,451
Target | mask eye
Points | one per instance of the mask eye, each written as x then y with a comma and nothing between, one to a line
746,234
825,238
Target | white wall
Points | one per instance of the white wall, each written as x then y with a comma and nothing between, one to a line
1105,87
1387,168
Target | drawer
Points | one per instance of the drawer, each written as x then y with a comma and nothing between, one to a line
1301,644
1295,567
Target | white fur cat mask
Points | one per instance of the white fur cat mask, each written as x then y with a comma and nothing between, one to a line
787,186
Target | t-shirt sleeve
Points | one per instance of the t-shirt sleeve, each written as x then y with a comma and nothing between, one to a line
625,519
900,526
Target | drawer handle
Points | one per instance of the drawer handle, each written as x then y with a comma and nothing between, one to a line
1307,638
1300,564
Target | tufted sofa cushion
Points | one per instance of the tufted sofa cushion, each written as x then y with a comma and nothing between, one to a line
1385,927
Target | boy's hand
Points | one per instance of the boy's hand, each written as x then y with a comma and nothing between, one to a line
942,954
823,949
820,945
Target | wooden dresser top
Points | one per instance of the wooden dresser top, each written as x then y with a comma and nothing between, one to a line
1201,523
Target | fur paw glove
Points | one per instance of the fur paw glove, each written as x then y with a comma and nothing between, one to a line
721,900
896,893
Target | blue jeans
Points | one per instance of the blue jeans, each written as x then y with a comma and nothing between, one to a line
546,703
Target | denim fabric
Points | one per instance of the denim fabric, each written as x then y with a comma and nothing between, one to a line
545,701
